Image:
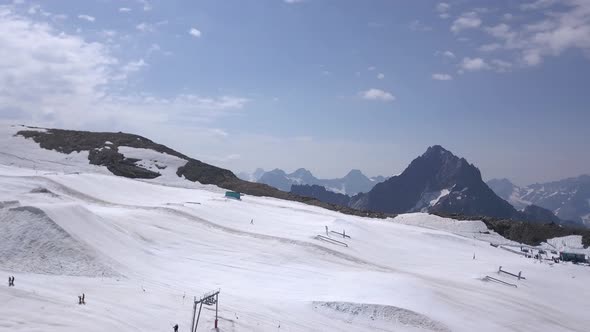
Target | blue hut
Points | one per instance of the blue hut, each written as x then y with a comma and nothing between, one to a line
232,194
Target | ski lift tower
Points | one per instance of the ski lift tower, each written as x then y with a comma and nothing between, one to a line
209,299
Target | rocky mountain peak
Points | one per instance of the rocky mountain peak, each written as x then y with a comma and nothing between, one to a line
355,174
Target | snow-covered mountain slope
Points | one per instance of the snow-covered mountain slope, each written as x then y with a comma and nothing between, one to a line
569,199
159,244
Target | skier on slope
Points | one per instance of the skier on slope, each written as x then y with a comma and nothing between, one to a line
175,327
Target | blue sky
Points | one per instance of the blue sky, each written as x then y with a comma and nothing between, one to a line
328,85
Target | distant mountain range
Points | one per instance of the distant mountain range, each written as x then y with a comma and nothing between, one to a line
436,182
569,199
351,184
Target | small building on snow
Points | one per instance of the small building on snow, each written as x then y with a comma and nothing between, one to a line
232,194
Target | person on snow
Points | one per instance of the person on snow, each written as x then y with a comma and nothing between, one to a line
175,327
83,298
79,299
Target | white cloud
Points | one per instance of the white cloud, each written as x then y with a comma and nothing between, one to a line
124,9
560,28
377,94
468,20
442,77
56,79
474,64
416,25
446,54
145,27
489,47
443,9
87,17
481,10
154,48
108,33
293,1
500,31
49,73
539,4
380,76
145,4
134,66
33,9
59,17
371,68
501,65
449,54
194,32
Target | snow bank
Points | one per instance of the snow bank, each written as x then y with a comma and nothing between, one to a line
373,315
31,242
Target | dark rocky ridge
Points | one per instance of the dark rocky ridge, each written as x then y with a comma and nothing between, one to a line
68,141
320,193
537,213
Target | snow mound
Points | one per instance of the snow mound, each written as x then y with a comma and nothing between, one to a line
570,243
475,229
354,312
43,190
30,241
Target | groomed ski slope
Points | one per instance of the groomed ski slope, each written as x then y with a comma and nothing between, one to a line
141,250
270,273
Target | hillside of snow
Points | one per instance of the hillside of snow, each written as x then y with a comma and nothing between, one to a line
140,250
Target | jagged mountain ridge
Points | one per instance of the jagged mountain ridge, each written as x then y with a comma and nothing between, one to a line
568,199
351,184
436,182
